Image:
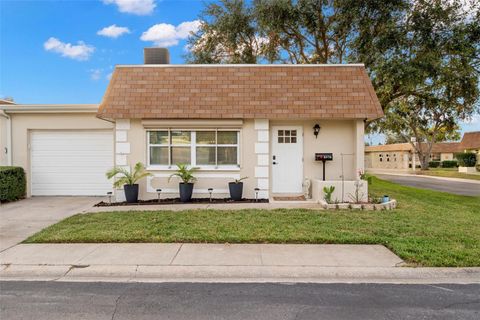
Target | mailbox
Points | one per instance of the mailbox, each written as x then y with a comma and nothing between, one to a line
324,157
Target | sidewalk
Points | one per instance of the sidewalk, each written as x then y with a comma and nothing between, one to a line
218,263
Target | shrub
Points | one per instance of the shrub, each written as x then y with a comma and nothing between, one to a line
434,164
13,183
467,159
449,164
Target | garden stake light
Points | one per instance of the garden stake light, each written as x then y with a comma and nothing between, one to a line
256,194
210,190
159,191
109,194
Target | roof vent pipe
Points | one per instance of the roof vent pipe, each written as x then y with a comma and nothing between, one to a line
156,56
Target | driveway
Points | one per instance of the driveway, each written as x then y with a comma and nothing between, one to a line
21,219
465,188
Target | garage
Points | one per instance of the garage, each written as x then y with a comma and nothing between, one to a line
70,162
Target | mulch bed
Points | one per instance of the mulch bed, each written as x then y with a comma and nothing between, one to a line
177,201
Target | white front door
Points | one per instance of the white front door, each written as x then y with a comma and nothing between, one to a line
287,159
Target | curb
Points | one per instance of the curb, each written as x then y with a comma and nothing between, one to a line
238,274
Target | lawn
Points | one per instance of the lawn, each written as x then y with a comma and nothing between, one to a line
449,173
429,228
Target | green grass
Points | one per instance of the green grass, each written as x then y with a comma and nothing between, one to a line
429,228
449,173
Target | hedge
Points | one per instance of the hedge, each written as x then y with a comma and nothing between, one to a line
467,159
449,164
434,164
13,183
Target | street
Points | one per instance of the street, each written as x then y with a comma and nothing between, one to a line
87,300
466,188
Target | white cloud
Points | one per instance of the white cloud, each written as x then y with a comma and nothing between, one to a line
80,51
167,35
113,31
95,74
138,7
109,76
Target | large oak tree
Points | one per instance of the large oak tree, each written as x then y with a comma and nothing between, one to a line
423,55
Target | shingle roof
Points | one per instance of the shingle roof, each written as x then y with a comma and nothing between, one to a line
446,147
389,147
470,140
240,91
439,147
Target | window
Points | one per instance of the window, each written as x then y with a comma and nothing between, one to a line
206,148
287,136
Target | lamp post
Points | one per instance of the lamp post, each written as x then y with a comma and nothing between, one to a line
414,153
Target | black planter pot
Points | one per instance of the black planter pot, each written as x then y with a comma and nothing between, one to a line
236,190
186,190
131,192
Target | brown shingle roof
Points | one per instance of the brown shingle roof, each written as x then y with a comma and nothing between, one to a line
440,147
470,140
446,147
389,147
240,91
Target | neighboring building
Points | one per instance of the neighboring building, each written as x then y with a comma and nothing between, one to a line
399,155
389,156
230,121
470,142
4,134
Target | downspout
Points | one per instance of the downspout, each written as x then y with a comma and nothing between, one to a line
9,137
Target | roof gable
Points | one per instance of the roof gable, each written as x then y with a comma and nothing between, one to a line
240,91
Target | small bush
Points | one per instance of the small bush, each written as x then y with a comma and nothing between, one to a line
449,164
13,183
434,164
467,159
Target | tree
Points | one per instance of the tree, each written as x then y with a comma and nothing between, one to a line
426,74
303,31
423,56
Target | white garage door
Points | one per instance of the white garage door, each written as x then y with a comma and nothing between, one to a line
70,162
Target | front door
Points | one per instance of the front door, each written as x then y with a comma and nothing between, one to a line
287,159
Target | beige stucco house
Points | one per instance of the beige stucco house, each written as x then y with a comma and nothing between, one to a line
230,121
399,156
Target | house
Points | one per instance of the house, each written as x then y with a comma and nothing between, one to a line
265,122
399,156
3,133
470,142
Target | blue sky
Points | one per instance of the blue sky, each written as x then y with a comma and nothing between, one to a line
56,51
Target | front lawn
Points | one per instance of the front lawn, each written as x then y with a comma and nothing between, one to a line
429,228
449,173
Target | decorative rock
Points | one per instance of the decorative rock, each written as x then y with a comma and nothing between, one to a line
356,206
331,206
378,206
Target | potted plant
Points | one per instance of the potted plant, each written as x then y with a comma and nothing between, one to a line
187,179
128,179
236,189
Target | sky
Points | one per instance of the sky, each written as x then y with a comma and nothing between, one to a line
65,51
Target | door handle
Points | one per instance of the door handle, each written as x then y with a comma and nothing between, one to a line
274,162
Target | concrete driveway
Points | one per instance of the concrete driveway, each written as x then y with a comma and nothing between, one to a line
21,219
456,186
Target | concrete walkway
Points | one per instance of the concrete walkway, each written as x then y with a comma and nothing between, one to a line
21,219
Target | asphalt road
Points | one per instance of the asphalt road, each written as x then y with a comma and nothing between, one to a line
83,300
455,187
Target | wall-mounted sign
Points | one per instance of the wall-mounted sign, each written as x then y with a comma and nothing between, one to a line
323,156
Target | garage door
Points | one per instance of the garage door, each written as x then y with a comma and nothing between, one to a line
70,162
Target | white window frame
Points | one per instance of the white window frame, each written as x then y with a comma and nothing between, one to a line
193,149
